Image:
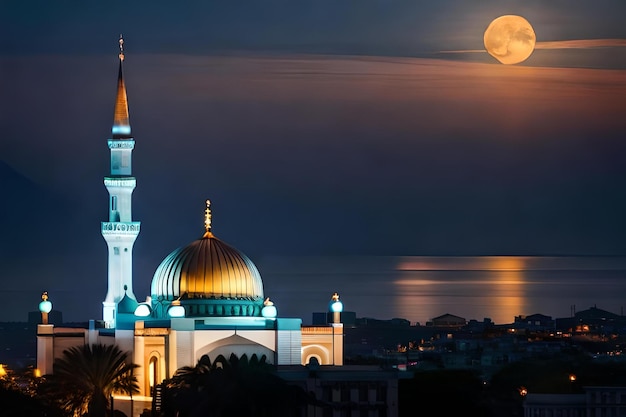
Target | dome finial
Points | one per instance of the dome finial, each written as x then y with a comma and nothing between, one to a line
45,307
336,307
121,41
207,216
269,310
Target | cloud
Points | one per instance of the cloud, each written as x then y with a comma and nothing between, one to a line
571,44
581,44
463,51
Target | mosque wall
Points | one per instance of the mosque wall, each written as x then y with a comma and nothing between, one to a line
125,340
325,343
45,348
64,340
239,342
180,350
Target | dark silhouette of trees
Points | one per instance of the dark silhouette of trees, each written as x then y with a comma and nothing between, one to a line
86,376
444,393
16,403
17,399
229,388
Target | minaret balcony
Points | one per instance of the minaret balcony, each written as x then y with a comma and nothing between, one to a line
126,182
121,143
121,228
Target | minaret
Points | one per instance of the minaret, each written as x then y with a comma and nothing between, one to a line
120,231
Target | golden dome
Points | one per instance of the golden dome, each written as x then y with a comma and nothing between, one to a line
207,268
210,278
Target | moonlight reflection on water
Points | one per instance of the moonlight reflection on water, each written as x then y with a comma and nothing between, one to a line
420,288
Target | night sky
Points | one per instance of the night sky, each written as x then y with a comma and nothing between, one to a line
316,128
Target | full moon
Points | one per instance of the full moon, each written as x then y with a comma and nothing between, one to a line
510,39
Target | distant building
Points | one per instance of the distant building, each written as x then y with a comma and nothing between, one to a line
592,320
348,390
348,318
595,402
447,320
534,322
549,405
395,322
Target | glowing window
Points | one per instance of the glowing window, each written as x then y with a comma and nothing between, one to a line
152,372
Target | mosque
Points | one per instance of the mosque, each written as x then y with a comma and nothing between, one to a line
206,298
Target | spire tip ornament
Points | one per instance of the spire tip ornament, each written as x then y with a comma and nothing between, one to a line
207,217
121,41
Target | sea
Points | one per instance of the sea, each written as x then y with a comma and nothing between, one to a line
415,288
419,288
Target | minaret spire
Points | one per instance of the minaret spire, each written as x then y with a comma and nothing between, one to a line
121,122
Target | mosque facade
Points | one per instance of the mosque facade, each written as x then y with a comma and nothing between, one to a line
206,298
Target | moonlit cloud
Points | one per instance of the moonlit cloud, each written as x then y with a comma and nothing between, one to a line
570,44
581,44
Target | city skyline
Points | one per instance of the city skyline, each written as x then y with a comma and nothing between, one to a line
323,129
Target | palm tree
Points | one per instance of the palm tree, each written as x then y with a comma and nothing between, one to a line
86,376
230,387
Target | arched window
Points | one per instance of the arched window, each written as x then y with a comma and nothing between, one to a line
313,357
153,372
